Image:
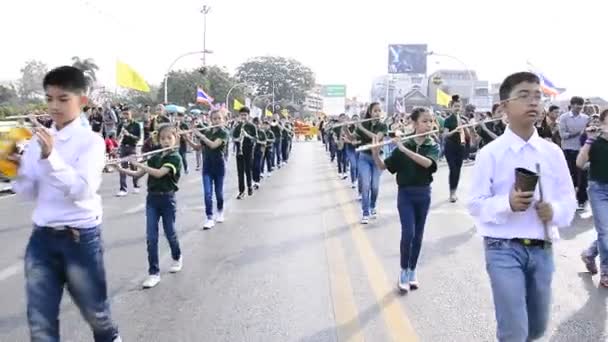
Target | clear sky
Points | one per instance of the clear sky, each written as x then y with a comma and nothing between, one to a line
344,42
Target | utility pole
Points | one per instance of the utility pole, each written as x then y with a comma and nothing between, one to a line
205,11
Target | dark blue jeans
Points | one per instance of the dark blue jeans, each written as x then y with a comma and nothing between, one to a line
126,151
72,258
160,205
213,179
257,164
277,152
285,148
342,161
413,205
353,159
182,153
454,155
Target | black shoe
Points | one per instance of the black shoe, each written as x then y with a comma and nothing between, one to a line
250,192
255,187
240,196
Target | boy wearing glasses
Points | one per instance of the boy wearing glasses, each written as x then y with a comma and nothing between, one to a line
514,223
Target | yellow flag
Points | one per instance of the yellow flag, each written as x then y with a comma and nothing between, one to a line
285,112
238,105
443,98
128,78
268,113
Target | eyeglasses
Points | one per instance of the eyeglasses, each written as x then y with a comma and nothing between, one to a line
526,97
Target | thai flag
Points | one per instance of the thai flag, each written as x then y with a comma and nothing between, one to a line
547,87
202,97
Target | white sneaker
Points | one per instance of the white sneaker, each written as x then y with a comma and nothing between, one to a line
151,281
136,190
209,224
354,185
177,265
121,193
219,217
365,220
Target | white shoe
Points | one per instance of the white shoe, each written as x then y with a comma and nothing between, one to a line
209,224
136,190
151,281
219,217
121,193
177,265
365,220
354,185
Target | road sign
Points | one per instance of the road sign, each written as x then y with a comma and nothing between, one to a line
336,90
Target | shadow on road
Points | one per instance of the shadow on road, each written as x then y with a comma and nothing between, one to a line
579,226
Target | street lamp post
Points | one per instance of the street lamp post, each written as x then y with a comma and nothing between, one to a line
204,52
259,96
205,11
433,53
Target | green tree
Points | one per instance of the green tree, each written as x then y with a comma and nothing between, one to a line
88,67
7,94
32,75
292,80
181,85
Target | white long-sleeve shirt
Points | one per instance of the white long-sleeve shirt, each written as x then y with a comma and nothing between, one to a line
64,185
494,177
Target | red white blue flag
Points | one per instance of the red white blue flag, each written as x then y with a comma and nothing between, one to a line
202,97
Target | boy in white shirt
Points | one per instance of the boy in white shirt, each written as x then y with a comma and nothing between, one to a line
518,227
61,171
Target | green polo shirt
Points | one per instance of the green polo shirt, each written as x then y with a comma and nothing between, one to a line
133,128
451,122
214,134
598,158
269,137
261,137
410,173
374,127
168,182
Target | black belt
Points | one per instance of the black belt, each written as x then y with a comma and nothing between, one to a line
161,192
532,242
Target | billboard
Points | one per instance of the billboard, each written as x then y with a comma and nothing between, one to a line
334,90
407,59
334,99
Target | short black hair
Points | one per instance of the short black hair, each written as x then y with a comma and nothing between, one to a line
577,100
553,107
495,107
67,78
417,112
256,121
244,110
514,80
603,115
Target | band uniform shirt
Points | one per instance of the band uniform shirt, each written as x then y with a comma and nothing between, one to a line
496,127
598,159
249,129
410,173
451,123
183,144
269,138
276,131
570,129
168,182
64,186
214,134
374,127
494,175
261,140
133,128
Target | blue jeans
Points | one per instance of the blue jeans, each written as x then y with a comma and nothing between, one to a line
353,160
213,179
183,153
598,197
521,286
277,152
369,177
342,161
413,205
67,258
161,205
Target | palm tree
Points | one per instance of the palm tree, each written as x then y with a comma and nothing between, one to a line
87,66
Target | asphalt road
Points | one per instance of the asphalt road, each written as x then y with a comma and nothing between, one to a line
293,264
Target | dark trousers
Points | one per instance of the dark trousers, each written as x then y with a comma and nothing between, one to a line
413,205
72,259
257,164
277,152
182,153
268,159
579,177
244,167
285,148
454,154
214,171
126,151
332,150
342,161
161,205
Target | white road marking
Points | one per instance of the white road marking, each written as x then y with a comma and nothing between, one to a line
12,270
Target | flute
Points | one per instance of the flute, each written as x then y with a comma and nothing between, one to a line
143,155
354,122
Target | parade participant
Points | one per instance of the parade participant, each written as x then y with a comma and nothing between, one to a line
258,153
593,156
287,136
61,170
489,131
549,129
198,123
164,170
213,142
455,141
268,154
571,126
242,134
338,138
183,143
518,226
278,139
414,161
351,154
129,133
369,173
